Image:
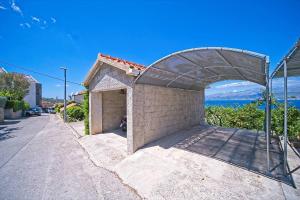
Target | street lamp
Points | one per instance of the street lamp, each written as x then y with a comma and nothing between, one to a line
65,93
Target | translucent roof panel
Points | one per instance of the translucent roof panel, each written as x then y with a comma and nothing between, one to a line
194,69
292,62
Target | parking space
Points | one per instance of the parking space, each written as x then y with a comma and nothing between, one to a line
243,148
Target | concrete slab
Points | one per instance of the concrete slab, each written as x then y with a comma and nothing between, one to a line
205,163
106,149
294,168
78,127
198,163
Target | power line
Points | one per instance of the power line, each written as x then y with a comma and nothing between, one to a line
36,72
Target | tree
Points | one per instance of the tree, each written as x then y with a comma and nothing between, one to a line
14,86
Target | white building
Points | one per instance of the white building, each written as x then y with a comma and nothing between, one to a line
34,96
78,96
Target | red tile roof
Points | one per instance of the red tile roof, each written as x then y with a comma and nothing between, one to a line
125,62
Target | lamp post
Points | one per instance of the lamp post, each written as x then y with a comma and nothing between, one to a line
65,93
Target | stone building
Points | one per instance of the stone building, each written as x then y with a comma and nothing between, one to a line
167,96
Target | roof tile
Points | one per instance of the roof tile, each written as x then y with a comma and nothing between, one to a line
125,62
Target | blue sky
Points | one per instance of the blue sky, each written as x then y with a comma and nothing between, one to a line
45,35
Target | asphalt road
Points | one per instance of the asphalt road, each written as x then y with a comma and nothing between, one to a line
41,159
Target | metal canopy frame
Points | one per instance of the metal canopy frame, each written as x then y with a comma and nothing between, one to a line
195,69
288,66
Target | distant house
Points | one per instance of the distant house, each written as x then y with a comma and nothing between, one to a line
34,96
78,96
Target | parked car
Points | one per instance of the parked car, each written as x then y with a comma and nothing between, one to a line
33,111
51,110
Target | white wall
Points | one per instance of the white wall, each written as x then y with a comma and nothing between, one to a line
31,96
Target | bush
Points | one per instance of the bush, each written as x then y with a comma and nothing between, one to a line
251,117
2,101
26,106
86,113
58,106
75,113
15,105
293,121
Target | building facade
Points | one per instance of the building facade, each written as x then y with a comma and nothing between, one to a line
34,95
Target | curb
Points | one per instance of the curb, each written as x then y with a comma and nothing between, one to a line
75,133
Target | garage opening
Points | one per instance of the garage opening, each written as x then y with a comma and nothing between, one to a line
114,111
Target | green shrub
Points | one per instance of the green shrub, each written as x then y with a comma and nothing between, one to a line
220,116
2,101
251,117
75,113
26,106
277,121
58,106
15,105
86,113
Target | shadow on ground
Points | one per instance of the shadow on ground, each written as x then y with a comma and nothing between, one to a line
6,131
241,148
119,132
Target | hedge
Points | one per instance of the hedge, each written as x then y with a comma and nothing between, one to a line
252,117
2,101
16,105
75,113
86,113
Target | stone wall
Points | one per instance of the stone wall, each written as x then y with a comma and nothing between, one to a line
10,114
159,111
110,78
113,109
1,114
107,78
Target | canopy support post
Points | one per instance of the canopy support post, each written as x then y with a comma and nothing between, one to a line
267,114
270,105
285,119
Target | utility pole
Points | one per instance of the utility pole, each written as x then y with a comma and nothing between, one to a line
65,93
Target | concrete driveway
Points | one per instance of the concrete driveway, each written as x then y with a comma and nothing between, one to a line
41,159
198,163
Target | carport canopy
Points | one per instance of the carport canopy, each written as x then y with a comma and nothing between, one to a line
292,61
194,69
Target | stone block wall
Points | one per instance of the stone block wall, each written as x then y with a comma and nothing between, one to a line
114,109
159,111
10,114
1,114
110,78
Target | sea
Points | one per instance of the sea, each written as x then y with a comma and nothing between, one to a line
240,103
